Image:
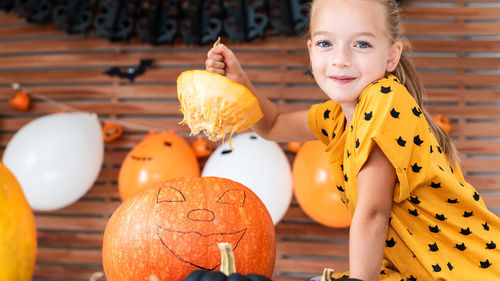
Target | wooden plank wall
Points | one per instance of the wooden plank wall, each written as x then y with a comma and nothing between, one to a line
456,49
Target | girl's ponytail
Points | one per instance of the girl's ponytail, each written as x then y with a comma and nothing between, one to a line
407,74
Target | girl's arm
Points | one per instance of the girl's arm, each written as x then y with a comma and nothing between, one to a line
375,186
273,126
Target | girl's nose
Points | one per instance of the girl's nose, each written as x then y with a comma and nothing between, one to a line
341,56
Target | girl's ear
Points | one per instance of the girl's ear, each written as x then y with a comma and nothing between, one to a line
394,55
309,44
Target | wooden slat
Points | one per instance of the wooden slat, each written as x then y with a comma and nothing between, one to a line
453,63
195,60
310,230
261,75
310,92
310,266
168,124
23,31
486,112
163,59
70,223
69,239
464,95
447,45
86,208
478,147
7,19
273,44
450,12
489,183
173,109
66,271
452,28
89,256
313,249
492,200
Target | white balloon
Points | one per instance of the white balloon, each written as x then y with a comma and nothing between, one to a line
56,158
258,164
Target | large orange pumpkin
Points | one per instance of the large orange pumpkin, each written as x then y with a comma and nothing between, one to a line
158,157
172,228
17,230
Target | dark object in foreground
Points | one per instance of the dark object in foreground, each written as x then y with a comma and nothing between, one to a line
198,275
227,269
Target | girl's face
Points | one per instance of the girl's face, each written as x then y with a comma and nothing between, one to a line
349,47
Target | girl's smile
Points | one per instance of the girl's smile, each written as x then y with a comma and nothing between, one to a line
342,80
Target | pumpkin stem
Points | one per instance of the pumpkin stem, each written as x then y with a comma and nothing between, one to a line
217,42
227,265
96,276
327,274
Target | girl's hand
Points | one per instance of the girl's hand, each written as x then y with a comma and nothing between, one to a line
221,60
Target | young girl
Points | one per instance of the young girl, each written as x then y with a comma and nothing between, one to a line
413,215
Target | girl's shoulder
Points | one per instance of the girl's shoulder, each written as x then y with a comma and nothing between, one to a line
388,95
388,87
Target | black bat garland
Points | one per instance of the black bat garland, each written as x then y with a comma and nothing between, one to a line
130,72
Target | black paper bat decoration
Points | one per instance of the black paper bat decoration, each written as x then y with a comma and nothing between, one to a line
130,72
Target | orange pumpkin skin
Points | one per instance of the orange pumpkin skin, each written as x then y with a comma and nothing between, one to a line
158,157
294,146
17,231
443,122
202,147
111,131
20,100
172,228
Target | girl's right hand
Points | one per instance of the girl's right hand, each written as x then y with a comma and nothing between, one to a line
221,60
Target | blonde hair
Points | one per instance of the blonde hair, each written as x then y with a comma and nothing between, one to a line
407,74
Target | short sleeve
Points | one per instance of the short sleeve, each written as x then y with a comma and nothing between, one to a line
390,117
326,120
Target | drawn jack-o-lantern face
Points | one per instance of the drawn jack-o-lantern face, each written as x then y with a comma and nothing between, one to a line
173,228
159,156
203,224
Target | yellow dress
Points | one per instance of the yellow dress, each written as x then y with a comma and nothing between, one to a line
439,227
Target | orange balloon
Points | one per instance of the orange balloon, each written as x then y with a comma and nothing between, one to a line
315,189
158,157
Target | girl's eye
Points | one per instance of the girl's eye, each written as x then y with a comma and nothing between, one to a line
363,45
323,44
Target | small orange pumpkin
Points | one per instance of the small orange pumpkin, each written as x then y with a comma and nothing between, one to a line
294,146
20,100
172,228
202,147
111,131
443,122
